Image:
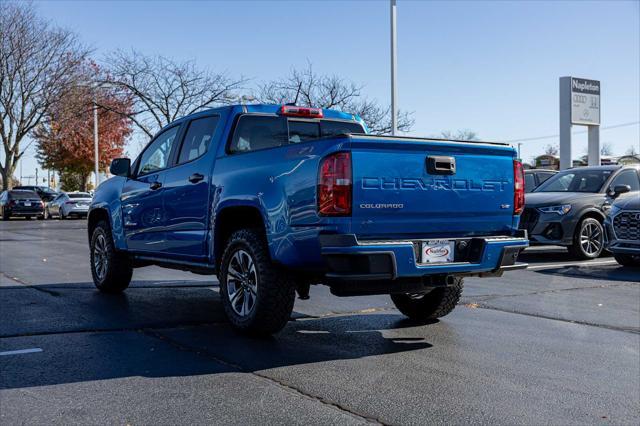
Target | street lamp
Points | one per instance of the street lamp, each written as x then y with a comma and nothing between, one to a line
394,63
94,88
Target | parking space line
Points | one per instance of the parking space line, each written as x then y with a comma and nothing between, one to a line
578,264
21,351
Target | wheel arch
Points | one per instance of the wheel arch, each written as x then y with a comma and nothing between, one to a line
94,217
233,218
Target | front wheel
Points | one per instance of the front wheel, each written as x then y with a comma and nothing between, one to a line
111,270
627,259
428,307
588,240
257,296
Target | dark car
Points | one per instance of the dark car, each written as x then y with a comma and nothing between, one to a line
22,203
45,193
622,229
569,208
534,177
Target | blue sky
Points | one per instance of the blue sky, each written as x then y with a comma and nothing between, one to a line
489,66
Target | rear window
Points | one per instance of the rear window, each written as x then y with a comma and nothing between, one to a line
79,195
333,128
23,195
254,132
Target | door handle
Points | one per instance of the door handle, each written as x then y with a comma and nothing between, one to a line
155,185
196,177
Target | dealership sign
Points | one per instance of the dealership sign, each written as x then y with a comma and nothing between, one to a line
585,102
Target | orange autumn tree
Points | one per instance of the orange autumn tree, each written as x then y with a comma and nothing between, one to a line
65,140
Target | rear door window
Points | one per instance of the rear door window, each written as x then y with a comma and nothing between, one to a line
255,132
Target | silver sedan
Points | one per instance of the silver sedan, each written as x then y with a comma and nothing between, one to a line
68,204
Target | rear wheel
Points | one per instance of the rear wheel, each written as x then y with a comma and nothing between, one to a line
427,307
588,239
627,259
257,296
111,270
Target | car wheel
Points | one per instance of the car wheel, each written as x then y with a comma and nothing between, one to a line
111,270
5,215
627,259
588,240
428,307
257,296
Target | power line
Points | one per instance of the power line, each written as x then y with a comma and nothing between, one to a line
537,138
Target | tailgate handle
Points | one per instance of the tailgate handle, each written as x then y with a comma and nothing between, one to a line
437,165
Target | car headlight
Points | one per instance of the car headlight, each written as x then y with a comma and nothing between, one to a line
561,210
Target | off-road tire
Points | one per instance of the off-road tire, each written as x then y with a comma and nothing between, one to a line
275,294
627,259
576,249
428,307
118,269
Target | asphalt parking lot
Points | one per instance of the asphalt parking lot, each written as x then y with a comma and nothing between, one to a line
558,343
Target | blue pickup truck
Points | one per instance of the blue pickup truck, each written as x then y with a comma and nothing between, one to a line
273,199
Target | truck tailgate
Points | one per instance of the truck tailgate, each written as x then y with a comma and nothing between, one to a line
396,193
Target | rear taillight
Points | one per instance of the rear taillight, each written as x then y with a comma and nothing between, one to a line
334,185
518,187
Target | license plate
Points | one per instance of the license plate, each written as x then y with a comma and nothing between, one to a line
437,251
27,204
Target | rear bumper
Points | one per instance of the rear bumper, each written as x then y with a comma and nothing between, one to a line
351,260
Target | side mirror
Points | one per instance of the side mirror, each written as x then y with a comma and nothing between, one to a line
620,189
120,167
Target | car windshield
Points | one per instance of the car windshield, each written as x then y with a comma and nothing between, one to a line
79,195
576,181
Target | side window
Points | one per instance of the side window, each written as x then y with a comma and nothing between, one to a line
544,176
301,131
627,177
156,156
197,139
529,182
254,132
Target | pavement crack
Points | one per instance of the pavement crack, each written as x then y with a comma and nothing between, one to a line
290,388
32,287
548,317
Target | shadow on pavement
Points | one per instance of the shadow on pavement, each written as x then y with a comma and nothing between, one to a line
167,332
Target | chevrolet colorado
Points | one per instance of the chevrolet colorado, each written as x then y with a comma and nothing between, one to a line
273,199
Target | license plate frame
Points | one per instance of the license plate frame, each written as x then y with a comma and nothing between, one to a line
437,251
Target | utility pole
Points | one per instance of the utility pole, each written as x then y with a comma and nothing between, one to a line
36,176
394,63
21,161
95,140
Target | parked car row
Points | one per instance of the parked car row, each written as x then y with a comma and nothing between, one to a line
573,207
41,202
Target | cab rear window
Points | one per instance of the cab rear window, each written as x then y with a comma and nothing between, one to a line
255,132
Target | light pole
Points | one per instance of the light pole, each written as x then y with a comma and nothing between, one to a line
394,63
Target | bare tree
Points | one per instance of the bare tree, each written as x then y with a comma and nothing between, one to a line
606,149
305,87
462,135
551,150
632,150
37,62
163,89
